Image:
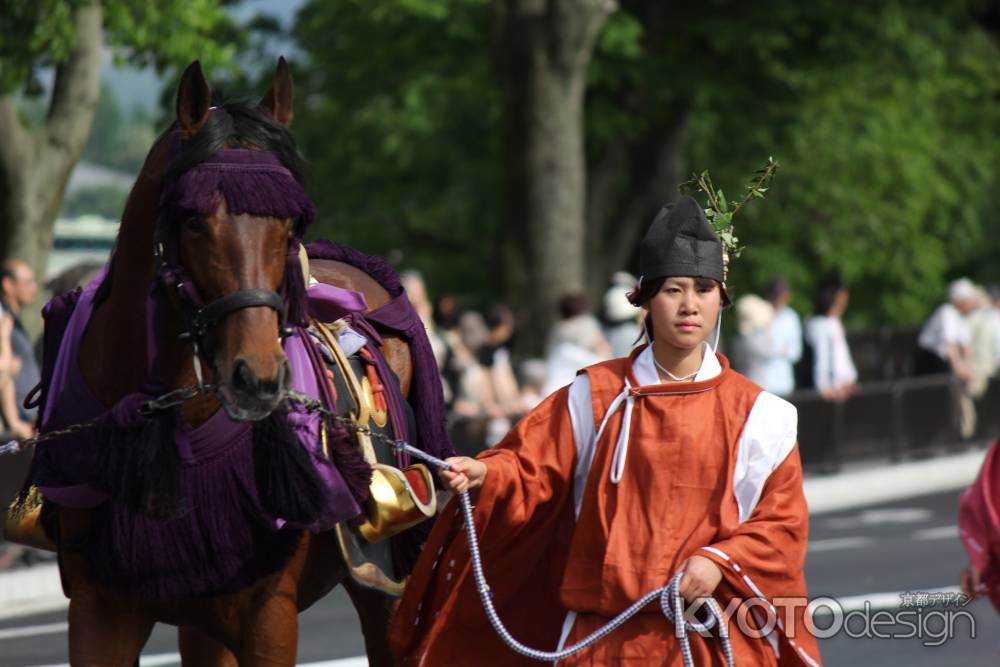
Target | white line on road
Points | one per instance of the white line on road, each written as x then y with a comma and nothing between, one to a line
163,659
836,543
938,533
33,630
155,660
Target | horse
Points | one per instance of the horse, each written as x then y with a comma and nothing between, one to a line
222,254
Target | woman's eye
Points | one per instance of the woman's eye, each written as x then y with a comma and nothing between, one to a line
195,224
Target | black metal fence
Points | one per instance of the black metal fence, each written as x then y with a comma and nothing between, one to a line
893,420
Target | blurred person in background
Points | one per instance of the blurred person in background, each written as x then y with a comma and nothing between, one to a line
17,291
944,346
416,292
576,341
983,334
475,394
754,344
778,376
533,379
445,314
834,375
495,357
10,420
622,317
994,296
943,343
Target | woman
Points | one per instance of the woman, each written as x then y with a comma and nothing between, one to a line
664,462
834,375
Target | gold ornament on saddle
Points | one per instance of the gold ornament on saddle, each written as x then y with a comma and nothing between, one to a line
23,524
400,499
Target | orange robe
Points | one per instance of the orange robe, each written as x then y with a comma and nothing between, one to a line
674,498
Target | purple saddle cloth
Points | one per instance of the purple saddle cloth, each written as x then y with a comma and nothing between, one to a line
224,539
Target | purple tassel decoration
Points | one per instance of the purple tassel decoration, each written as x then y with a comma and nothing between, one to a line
139,462
287,482
293,290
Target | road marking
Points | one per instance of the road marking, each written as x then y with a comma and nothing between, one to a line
881,517
33,630
836,543
163,659
155,660
939,533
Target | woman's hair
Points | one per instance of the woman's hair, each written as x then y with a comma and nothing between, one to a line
826,294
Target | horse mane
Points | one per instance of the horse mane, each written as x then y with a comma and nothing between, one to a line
233,123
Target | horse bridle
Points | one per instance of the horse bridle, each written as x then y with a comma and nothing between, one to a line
200,318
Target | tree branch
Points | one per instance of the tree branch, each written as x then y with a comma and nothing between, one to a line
77,88
15,137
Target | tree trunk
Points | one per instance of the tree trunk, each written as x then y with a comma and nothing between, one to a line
628,185
542,49
35,164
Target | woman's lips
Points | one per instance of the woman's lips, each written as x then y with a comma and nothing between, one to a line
688,326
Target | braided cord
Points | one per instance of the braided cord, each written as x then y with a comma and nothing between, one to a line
671,602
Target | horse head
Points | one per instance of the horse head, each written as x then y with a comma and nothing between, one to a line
233,211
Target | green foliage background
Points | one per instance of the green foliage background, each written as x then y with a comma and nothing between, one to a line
882,114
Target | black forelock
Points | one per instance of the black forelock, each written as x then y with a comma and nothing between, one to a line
239,124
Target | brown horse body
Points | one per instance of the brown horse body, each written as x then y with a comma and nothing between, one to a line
257,625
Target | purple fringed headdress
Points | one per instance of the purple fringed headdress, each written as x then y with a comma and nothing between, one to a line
250,181
257,183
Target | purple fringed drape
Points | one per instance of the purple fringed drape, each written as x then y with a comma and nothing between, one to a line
399,317
250,182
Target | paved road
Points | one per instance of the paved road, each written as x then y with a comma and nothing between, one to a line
904,547
871,554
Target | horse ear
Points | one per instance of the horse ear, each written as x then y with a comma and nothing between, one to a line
193,99
277,101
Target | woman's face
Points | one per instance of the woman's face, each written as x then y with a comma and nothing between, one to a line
684,311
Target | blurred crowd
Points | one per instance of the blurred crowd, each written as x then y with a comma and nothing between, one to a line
775,346
19,371
485,391
772,348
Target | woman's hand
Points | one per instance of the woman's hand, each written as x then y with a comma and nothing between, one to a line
464,474
701,578
972,583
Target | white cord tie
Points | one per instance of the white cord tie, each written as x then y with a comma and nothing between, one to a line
627,396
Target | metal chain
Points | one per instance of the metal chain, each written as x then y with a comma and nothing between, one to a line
165,401
671,602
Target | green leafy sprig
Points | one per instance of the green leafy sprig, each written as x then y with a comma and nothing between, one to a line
721,212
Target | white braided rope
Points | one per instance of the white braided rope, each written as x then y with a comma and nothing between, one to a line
671,602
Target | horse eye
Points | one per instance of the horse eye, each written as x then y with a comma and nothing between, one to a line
195,224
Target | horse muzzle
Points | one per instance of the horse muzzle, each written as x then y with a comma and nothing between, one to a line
246,396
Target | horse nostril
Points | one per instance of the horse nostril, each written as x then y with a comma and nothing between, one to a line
244,379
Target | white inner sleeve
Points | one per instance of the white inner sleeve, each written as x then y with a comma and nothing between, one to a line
581,414
768,436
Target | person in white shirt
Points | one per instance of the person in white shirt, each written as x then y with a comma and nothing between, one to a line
834,374
786,336
945,346
754,345
943,343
